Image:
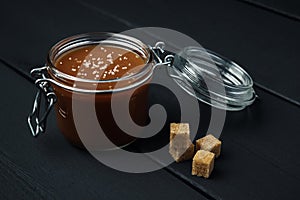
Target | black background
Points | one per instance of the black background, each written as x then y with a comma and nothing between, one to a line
260,144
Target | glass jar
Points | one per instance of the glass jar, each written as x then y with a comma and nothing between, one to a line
82,70
73,88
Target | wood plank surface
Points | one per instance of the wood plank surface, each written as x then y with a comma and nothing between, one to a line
287,8
264,43
48,167
260,144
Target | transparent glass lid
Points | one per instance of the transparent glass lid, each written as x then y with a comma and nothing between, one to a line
212,79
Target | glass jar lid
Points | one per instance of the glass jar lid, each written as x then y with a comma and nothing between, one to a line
212,79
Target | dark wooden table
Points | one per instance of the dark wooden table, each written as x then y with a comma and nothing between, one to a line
260,155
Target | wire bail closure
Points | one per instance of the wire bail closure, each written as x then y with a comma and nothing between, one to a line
37,119
190,68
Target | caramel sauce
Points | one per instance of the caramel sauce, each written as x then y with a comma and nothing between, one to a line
99,62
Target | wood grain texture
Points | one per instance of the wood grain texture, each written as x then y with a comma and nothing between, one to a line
261,143
287,8
48,167
264,43
260,146
16,184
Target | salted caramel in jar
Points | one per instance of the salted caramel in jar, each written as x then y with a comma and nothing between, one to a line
99,73
91,69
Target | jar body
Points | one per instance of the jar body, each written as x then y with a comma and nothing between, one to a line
74,68
65,119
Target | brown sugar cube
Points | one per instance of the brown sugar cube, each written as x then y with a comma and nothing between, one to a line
181,153
209,143
180,135
181,146
182,129
203,163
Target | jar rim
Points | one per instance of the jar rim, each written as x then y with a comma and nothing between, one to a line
79,40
